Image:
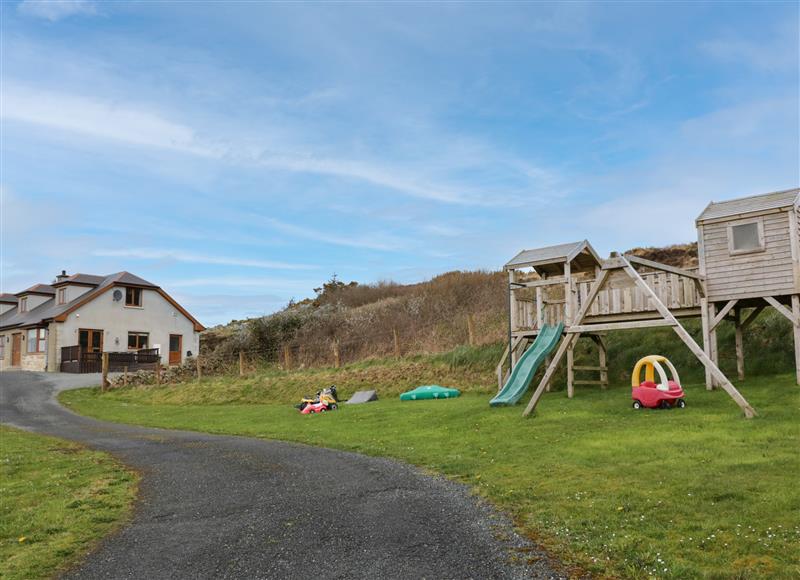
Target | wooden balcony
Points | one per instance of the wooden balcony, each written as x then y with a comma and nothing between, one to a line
76,360
620,301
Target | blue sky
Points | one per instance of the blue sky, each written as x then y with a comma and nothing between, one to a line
238,154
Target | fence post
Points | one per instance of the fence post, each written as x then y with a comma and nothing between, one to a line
105,384
396,343
471,330
197,363
287,357
125,376
158,371
241,363
335,347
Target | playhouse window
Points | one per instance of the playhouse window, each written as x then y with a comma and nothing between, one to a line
745,237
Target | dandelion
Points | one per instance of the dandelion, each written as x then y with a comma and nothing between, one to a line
22,539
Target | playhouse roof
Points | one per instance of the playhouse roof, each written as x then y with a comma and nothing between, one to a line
546,258
750,204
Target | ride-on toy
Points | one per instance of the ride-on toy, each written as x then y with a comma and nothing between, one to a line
325,400
664,395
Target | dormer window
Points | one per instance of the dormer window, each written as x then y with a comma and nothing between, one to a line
23,304
745,237
62,295
133,297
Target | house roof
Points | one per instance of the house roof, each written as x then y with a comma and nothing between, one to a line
50,310
546,258
38,289
7,298
750,204
80,279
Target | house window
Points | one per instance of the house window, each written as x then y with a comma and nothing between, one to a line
37,340
137,340
133,296
62,295
745,237
2,347
23,304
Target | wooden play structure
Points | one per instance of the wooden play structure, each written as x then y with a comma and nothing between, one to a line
749,259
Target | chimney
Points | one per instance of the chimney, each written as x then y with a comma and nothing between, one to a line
62,276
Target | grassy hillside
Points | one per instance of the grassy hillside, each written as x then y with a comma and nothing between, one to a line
362,321
688,493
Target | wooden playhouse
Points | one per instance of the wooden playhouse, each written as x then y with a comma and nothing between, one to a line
749,260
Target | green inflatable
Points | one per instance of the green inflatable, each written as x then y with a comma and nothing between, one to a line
430,392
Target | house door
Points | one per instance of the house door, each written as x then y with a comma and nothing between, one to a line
175,345
90,340
16,349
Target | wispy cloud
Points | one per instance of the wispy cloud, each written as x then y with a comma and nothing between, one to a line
54,10
136,125
95,118
372,242
180,256
777,52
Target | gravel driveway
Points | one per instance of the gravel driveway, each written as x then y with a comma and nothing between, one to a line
232,507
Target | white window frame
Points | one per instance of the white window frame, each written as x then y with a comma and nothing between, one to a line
23,304
761,241
62,295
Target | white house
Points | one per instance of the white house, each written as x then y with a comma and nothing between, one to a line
92,314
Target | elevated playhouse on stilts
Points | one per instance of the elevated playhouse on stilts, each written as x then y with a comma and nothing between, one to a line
749,259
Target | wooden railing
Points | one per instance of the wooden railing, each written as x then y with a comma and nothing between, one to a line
75,360
620,297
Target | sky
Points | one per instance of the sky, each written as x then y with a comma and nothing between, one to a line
238,154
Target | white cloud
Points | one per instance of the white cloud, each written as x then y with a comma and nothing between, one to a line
136,125
54,10
775,52
372,242
180,256
95,118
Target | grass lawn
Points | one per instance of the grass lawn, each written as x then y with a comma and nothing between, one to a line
698,492
56,500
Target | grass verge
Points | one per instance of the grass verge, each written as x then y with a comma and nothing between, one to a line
697,492
56,500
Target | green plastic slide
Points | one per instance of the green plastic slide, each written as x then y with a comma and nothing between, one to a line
526,367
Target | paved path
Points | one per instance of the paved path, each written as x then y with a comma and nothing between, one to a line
232,507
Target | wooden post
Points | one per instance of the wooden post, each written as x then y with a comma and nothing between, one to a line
199,369
547,360
570,369
396,343
603,359
104,367
796,312
737,320
335,346
512,315
712,314
706,339
241,363
158,371
287,357
568,298
125,376
539,308
471,330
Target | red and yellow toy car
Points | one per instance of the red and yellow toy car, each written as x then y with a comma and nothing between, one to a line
663,395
